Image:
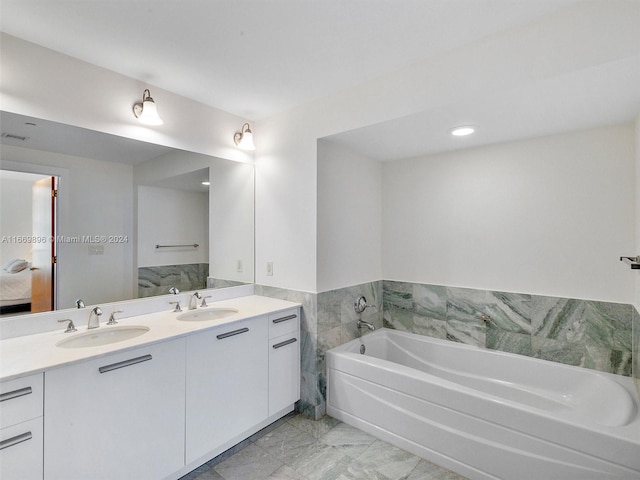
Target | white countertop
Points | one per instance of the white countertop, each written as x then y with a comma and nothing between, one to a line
38,352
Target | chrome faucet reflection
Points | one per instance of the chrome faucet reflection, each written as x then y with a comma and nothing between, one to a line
94,318
193,300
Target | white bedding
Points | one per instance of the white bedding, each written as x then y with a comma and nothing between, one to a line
15,288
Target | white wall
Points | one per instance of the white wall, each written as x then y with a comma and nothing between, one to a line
519,59
231,207
167,216
231,226
95,198
16,195
548,216
58,88
45,84
349,218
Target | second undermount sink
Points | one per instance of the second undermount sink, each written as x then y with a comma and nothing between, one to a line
206,314
102,336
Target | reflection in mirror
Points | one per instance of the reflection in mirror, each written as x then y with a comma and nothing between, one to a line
173,234
117,199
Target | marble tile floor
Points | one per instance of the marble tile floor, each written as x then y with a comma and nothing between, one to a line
297,448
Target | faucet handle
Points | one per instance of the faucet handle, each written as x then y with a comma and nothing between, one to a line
361,304
204,301
70,326
112,318
177,304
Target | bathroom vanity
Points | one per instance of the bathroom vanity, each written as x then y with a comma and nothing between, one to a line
151,407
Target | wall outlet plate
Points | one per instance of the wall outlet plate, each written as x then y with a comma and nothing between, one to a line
270,269
96,249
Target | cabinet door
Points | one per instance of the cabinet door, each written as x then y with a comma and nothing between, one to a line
284,372
120,416
227,384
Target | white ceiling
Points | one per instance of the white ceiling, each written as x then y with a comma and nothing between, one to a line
256,58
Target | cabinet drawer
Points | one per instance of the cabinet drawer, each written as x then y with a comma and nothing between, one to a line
21,451
284,322
21,400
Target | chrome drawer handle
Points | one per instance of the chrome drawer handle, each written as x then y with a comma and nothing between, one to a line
10,442
284,319
15,394
286,342
125,363
232,333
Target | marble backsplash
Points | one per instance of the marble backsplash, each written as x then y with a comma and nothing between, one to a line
328,319
584,333
157,280
311,403
636,348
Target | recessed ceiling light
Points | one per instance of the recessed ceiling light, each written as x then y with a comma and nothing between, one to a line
206,183
462,130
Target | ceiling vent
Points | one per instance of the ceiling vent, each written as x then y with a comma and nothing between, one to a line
13,136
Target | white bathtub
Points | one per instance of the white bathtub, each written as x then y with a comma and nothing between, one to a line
486,414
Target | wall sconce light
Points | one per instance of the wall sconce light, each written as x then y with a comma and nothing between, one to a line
244,138
146,111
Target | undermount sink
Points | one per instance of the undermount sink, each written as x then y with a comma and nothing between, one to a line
102,336
206,314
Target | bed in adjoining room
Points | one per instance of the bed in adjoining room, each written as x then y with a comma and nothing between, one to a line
15,287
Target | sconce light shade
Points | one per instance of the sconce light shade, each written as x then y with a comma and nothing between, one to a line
147,111
244,138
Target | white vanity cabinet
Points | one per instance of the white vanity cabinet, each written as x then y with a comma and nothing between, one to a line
284,359
21,409
226,387
117,416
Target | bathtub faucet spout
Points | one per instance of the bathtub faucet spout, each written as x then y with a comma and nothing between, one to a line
362,323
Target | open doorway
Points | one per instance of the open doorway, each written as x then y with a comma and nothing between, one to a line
27,242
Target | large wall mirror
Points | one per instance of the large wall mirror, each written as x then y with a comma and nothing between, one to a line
129,219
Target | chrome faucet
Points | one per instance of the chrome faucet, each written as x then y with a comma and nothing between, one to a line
362,323
193,300
79,303
95,314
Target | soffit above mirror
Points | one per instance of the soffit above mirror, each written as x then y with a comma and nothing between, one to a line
39,134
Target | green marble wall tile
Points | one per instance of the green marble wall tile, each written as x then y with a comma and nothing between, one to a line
589,323
505,341
466,332
430,301
509,311
635,347
465,312
466,305
398,295
157,280
590,334
429,327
